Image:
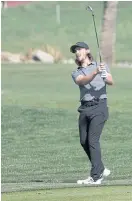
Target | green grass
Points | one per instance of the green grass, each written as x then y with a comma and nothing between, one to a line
40,140
117,193
34,25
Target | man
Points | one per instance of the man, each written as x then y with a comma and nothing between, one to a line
92,80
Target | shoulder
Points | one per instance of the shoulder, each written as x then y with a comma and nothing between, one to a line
75,73
77,70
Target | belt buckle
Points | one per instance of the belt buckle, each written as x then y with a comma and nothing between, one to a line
96,99
93,103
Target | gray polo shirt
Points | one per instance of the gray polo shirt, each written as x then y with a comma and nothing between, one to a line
94,89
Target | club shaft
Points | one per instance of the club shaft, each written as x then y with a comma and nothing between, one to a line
97,38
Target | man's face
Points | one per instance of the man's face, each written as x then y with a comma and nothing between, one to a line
81,53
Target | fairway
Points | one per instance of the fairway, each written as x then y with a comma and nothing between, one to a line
122,193
40,140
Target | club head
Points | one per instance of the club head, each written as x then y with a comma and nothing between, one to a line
89,8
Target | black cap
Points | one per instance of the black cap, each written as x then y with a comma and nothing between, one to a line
78,44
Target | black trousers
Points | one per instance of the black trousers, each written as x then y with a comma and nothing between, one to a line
91,123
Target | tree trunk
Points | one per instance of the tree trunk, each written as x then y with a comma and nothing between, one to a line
109,32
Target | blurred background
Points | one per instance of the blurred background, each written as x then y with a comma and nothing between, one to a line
54,26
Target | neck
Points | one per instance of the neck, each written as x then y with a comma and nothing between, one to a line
86,62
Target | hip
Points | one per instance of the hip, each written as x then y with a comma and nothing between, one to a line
95,106
101,109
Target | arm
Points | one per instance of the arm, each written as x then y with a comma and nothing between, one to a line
109,80
83,80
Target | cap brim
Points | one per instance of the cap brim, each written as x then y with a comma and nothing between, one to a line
73,47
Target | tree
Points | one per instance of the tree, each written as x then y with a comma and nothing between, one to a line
108,37
3,4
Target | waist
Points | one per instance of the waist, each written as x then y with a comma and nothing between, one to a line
93,102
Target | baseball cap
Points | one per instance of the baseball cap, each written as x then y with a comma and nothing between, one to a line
78,44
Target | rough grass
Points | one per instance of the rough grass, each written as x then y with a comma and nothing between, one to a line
121,193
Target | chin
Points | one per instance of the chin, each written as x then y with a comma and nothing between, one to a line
79,59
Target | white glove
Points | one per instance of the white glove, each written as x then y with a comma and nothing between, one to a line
104,73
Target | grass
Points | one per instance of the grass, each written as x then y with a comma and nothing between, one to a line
34,25
40,141
74,194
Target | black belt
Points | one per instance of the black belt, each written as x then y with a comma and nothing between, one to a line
93,102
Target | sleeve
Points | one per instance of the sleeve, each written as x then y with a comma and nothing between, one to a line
75,74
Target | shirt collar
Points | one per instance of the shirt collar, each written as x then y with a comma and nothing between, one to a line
92,63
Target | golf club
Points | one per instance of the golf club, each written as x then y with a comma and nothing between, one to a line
89,8
103,75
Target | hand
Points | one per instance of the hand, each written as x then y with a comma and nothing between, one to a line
102,70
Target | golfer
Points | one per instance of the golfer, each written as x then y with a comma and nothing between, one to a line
92,80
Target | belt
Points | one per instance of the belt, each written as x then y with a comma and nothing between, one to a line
93,102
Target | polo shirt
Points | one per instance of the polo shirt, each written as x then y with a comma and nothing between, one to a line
94,89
